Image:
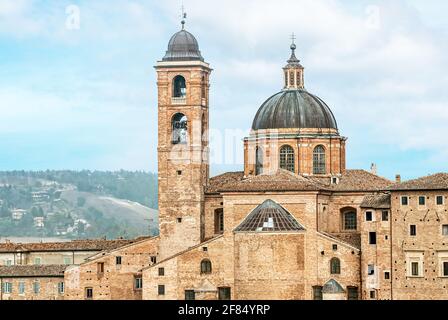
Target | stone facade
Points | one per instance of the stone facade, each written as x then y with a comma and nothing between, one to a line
112,275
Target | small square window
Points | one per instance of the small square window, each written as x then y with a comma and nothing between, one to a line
404,200
153,259
385,215
37,261
372,294
439,200
161,271
161,290
445,230
413,230
386,237
118,260
335,247
179,172
369,216
371,270
67,261
179,220
36,287
387,275
372,237
422,201
205,249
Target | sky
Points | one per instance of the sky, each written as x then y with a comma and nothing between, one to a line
78,85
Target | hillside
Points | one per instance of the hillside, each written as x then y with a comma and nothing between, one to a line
70,204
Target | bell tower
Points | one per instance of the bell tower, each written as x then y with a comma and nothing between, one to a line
183,144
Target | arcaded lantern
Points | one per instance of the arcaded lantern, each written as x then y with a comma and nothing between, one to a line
294,78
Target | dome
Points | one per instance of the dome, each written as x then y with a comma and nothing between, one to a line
295,109
183,46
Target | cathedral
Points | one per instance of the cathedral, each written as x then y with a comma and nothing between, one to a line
293,224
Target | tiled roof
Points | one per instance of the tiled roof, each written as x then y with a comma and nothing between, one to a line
75,245
437,181
352,239
269,217
282,180
357,180
33,271
219,182
376,201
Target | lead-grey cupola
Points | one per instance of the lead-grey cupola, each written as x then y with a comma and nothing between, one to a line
183,46
294,107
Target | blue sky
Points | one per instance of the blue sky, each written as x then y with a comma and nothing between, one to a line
86,98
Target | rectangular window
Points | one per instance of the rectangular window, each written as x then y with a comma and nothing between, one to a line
138,283
89,293
21,287
37,261
67,261
161,290
61,288
224,293
385,215
161,271
118,260
7,287
371,269
190,295
352,293
372,294
335,247
369,216
8,263
445,230
36,287
100,267
439,200
317,293
372,237
153,259
445,269
350,222
413,230
404,200
421,201
387,275
414,269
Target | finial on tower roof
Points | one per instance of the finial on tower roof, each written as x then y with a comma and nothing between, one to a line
293,58
184,17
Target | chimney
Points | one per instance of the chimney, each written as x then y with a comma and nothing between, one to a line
398,178
373,169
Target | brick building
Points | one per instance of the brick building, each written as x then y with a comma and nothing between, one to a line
295,223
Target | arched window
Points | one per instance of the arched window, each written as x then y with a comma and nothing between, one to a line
258,161
179,127
349,219
219,221
179,87
206,266
319,163
287,158
335,266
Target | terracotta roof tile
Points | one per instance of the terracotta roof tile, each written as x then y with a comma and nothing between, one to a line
437,181
75,245
357,180
282,180
33,271
376,201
